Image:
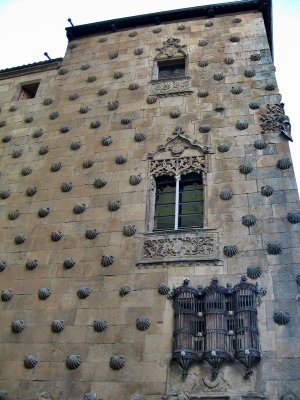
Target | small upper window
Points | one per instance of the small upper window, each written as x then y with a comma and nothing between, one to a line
171,68
28,91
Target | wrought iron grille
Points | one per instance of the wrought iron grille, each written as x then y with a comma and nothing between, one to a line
217,324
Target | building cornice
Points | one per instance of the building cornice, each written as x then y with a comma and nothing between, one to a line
28,69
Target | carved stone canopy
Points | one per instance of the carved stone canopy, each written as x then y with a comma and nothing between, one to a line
276,121
171,47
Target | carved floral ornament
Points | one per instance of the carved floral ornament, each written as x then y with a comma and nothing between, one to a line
276,121
175,161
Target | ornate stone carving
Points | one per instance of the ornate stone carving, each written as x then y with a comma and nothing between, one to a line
4,394
100,325
107,260
69,263
95,124
5,193
274,248
6,138
203,93
91,78
87,163
20,238
179,246
203,42
142,323
140,136
99,183
31,264
293,217
38,133
73,361
43,212
64,128
171,47
276,121
163,288
226,194
129,230
57,325
284,163
26,170
79,208
66,186
230,250
249,220
102,92
43,150
3,265
44,293
266,190
174,87
6,294
117,362
260,144
54,115
91,233
14,214
56,236
84,292
281,317
30,361
90,396
124,290
17,326
254,271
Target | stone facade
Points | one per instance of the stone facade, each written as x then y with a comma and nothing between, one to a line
80,264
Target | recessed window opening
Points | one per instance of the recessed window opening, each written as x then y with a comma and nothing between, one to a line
171,68
179,202
28,91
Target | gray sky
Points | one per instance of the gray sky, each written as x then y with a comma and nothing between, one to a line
28,28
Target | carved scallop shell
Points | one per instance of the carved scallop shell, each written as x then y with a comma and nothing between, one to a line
54,115
90,396
254,105
31,191
44,293
203,93
175,114
5,193
57,325
38,133
43,150
47,101
219,76
102,92
124,290
245,168
236,89
79,208
107,140
230,250
75,145
223,147
274,248
113,105
73,361
95,124
113,54
17,326
3,266
126,120
2,123
138,51
6,294
66,186
241,124
87,163
266,190
237,20
28,119
254,271
13,107
26,171
204,128
56,166
63,71
118,75
284,163
106,260
249,73
31,264
84,67
139,136
100,325
69,263
181,27
20,238
117,362
228,60
132,34
135,179
157,29
270,86
129,230
281,317
17,153
6,138
151,99
56,236
91,234
203,63
99,183
133,86
203,42
114,205
260,144
91,78
163,288
255,57
43,212
263,291
103,39
73,45
208,24
84,292
226,194
249,220
64,129
30,361
121,159
293,217
219,108
298,280
14,214
142,323
74,96
234,38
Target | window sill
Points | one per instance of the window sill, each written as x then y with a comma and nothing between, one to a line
169,87
183,245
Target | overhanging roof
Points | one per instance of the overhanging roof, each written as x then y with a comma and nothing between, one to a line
209,11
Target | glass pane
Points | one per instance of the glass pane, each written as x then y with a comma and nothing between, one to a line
191,208
164,223
171,69
190,220
164,210
165,202
191,202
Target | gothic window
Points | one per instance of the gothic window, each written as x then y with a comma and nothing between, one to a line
168,69
179,201
217,324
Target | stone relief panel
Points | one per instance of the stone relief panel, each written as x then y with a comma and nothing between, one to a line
276,121
169,88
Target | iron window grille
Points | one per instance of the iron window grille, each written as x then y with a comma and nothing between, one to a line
217,324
